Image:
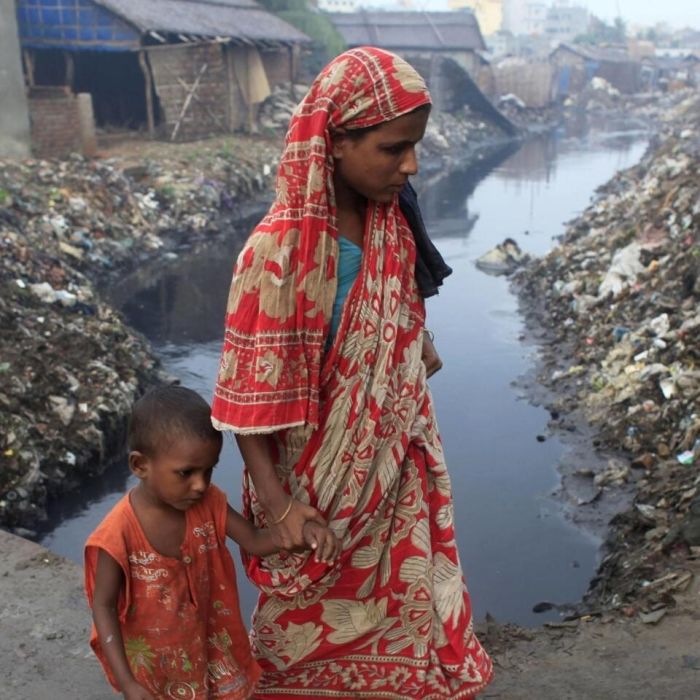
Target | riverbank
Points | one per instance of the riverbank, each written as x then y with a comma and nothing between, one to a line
44,652
615,309
70,367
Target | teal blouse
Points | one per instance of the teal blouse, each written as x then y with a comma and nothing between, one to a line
349,263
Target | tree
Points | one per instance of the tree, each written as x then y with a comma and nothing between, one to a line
300,14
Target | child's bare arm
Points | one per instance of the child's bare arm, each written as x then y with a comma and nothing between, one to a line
322,540
253,540
109,580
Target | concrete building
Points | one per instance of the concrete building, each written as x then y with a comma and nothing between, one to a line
489,13
524,17
565,21
14,117
337,5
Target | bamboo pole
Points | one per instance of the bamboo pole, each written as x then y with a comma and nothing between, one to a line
148,82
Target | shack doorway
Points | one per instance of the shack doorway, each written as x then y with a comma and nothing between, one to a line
118,88
115,80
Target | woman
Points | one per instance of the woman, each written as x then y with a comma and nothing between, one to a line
332,412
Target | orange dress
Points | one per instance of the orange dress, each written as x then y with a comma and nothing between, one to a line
180,619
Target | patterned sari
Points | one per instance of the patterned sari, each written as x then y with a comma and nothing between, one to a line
354,430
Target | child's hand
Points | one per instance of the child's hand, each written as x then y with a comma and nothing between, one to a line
322,540
135,691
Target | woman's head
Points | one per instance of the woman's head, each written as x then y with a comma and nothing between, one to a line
362,96
376,161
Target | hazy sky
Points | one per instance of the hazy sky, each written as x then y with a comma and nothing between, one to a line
678,13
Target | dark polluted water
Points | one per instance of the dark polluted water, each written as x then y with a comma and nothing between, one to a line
517,547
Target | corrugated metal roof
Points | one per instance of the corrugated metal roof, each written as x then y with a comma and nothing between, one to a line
436,31
595,53
237,19
119,25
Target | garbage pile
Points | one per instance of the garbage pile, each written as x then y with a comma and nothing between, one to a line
620,298
277,109
450,138
69,366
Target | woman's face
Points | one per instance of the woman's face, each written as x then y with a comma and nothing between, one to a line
377,164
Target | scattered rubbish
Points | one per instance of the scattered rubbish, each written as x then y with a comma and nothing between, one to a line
654,617
70,366
618,300
504,259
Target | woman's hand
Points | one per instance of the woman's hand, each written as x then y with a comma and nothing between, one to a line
288,534
430,358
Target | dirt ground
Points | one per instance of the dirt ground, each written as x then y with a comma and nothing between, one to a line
44,652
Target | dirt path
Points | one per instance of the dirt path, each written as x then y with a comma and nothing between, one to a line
621,660
44,653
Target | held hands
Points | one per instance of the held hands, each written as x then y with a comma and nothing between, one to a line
322,540
430,358
288,531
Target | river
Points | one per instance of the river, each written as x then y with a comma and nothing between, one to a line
517,546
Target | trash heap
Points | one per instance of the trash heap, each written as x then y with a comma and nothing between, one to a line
69,366
277,109
620,298
451,138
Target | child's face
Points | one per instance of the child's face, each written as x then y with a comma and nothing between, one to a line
179,474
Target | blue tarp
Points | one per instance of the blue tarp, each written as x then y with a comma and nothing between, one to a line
73,25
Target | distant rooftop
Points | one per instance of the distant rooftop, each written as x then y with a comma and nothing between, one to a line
435,31
120,24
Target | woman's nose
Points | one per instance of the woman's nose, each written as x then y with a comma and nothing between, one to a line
409,165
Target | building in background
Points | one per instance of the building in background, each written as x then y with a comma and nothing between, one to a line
446,48
489,13
565,21
337,5
179,69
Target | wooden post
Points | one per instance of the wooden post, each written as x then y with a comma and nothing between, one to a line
29,66
148,82
188,100
70,68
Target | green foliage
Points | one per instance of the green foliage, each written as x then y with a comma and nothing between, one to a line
299,13
318,27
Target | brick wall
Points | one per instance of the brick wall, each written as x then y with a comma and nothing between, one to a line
278,66
54,117
175,70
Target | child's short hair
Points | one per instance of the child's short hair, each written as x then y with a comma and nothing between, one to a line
165,414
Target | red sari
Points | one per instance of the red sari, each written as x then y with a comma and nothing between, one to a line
354,430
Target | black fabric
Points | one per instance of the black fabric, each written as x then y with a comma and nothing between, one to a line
431,269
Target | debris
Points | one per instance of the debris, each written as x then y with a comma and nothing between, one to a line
70,366
504,259
654,617
619,303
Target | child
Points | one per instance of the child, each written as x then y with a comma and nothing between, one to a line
158,576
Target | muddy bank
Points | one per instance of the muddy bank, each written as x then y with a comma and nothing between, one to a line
616,308
69,366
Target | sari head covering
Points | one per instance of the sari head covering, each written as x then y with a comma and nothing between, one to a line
284,283
354,431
